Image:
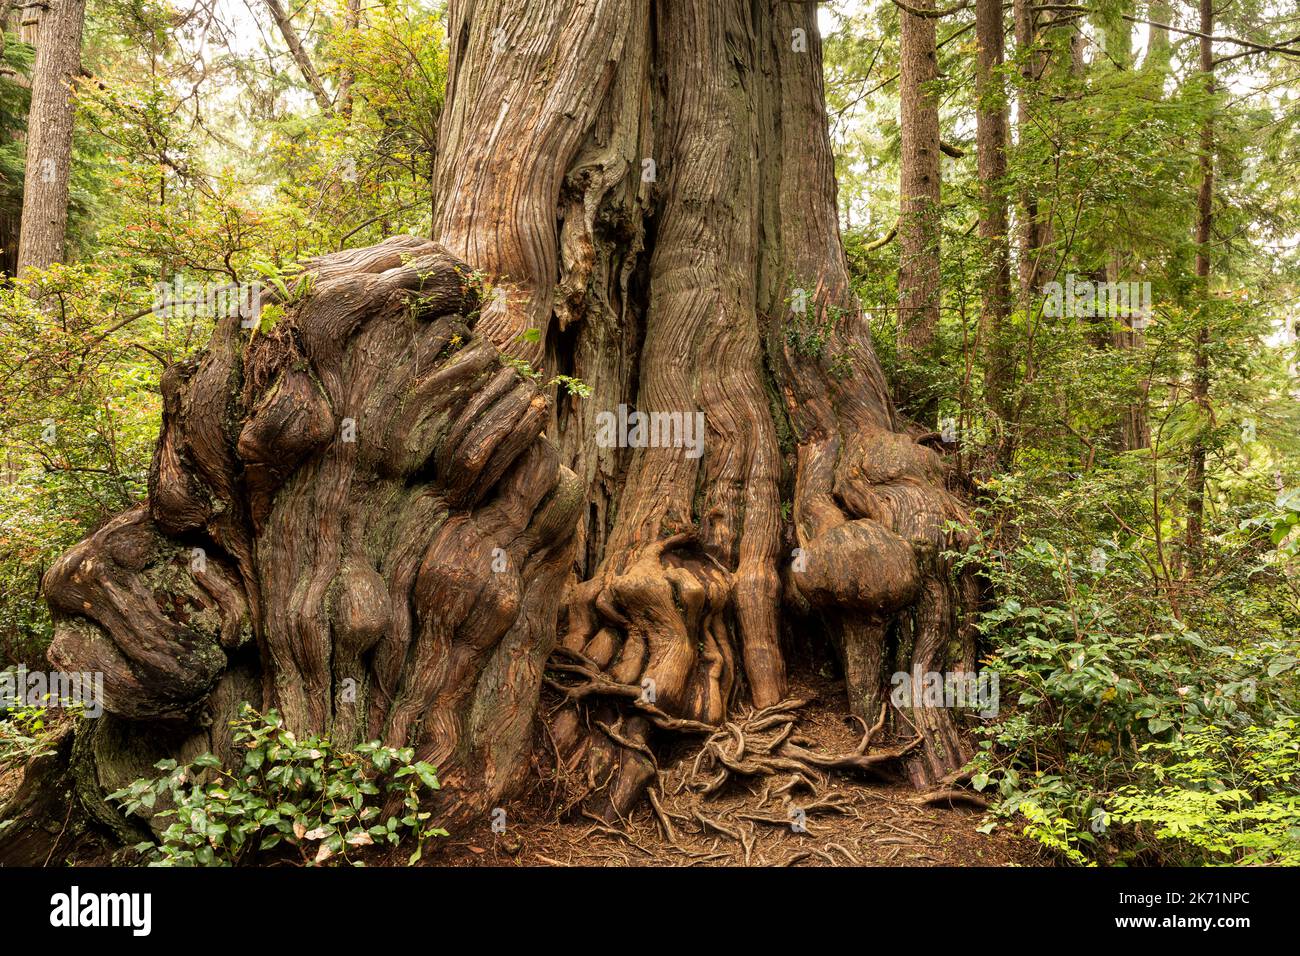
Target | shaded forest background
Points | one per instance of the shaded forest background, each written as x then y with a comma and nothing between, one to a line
1136,485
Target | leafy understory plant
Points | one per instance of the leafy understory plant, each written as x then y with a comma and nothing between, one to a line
25,733
574,387
287,288
1233,799
288,793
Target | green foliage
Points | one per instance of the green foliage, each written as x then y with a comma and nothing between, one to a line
288,793
1231,797
573,387
15,61
205,171
1105,663
77,426
1153,642
25,733
357,177
810,331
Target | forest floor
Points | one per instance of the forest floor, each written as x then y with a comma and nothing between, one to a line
853,819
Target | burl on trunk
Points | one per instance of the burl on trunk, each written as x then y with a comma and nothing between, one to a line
369,519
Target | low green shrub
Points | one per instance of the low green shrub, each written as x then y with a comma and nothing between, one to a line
288,795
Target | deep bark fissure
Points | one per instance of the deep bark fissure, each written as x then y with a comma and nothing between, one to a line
649,188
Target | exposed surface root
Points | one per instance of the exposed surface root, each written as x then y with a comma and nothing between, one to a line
812,817
763,743
757,773
949,798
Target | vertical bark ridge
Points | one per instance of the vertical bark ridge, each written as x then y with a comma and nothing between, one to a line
528,84
919,183
44,228
431,552
403,529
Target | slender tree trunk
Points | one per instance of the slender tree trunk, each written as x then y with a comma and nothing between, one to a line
1133,431
1201,358
300,55
11,215
1135,428
648,193
1030,240
919,183
49,137
991,165
351,20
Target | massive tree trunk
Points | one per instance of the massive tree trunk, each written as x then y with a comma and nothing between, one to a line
645,196
49,136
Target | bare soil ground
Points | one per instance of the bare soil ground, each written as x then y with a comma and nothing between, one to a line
853,819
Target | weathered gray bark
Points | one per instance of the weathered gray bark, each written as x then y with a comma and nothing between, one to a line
49,136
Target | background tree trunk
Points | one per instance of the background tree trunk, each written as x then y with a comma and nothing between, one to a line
1133,431
639,197
300,55
49,139
1030,238
351,21
919,182
991,166
1134,426
1201,359
12,21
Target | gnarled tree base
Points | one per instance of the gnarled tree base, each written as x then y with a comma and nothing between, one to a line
368,518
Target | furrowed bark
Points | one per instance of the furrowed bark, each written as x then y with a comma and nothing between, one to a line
690,218
919,182
639,196
44,228
353,518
